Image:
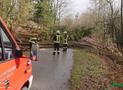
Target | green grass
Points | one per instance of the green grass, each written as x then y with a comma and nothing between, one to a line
87,71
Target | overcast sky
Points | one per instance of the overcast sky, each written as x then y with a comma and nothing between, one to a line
79,6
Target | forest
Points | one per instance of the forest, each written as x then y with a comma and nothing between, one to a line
103,18
99,30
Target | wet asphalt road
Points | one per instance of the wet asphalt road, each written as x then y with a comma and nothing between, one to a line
52,72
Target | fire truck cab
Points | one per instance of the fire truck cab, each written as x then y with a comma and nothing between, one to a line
15,68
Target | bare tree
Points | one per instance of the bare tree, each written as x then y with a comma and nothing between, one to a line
122,19
60,7
107,15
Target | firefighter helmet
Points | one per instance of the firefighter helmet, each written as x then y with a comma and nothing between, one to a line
65,32
58,32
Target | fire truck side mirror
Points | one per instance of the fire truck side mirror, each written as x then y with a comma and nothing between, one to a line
19,53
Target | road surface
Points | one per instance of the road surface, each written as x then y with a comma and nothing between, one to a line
52,72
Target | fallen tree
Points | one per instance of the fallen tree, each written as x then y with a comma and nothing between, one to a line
111,56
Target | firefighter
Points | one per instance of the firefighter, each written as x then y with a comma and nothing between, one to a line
31,41
65,41
33,47
56,41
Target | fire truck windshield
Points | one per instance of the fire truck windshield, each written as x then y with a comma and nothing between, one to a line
6,44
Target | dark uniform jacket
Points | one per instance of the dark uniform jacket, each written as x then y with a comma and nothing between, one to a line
56,38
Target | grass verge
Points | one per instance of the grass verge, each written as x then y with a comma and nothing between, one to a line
88,71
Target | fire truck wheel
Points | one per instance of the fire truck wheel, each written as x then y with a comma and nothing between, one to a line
24,88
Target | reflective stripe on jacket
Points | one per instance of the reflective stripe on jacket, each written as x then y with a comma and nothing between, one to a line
65,40
57,39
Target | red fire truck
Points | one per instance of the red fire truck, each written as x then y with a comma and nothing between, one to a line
15,68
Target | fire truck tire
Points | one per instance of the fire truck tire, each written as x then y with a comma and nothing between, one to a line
24,88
